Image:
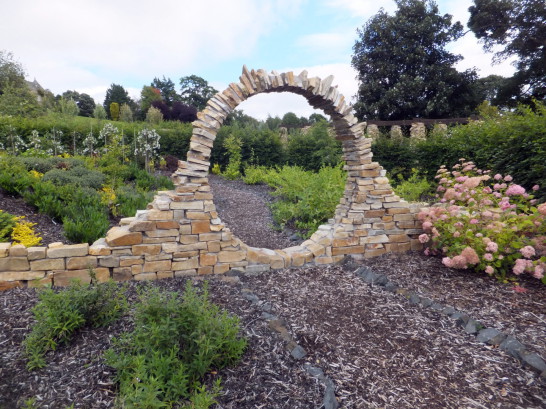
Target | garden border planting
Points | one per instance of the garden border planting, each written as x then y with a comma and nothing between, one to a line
180,233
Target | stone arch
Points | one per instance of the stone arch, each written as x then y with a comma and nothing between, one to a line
181,234
369,220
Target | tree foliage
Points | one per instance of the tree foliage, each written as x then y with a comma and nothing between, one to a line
85,102
519,27
195,91
116,93
166,89
404,69
11,72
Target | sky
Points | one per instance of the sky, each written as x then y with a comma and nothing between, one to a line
87,45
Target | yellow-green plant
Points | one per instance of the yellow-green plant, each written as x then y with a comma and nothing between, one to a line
7,223
23,233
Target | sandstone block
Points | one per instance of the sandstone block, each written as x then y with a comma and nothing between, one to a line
374,253
163,233
122,274
14,264
121,236
48,264
7,285
398,247
63,278
205,270
208,259
77,263
158,215
158,240
185,264
36,253
128,261
382,238
4,249
124,251
210,236
167,225
399,210
108,261
100,250
399,238
221,268
185,273
231,256
189,239
195,205
323,260
18,250
141,249
336,251
169,247
20,275
154,266
345,242
145,277
164,274
158,257
142,225
185,229
136,269
69,250
213,246
200,226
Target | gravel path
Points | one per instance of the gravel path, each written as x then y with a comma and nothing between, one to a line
244,209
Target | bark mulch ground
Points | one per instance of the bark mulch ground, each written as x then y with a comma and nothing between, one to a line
375,348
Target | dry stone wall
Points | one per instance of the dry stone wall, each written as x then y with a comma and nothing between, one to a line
180,233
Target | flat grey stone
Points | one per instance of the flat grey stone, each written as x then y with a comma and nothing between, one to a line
448,310
414,299
436,306
426,302
472,326
391,287
534,361
490,336
314,371
298,352
512,346
268,316
330,401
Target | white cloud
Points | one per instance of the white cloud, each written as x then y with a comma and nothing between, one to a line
78,44
363,8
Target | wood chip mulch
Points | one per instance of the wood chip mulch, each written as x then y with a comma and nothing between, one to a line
379,350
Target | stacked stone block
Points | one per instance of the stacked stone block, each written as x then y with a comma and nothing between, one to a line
180,233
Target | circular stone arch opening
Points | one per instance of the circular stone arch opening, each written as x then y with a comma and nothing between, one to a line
369,220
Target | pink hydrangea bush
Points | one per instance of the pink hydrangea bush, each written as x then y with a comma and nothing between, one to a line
486,223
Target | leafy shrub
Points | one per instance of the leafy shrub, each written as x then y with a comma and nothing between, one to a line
78,176
415,189
129,200
174,344
59,314
7,223
490,224
84,224
307,199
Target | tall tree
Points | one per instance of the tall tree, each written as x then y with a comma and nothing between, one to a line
195,91
85,102
12,72
148,95
519,27
404,69
116,93
166,87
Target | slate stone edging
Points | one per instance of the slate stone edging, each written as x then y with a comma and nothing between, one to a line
490,336
296,351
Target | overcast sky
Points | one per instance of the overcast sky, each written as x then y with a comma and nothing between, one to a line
86,45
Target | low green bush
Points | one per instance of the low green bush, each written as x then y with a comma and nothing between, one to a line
175,342
78,176
306,199
7,223
129,200
415,189
59,314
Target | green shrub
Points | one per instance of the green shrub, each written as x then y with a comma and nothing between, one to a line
415,189
59,314
129,200
78,176
307,199
85,224
174,344
7,223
